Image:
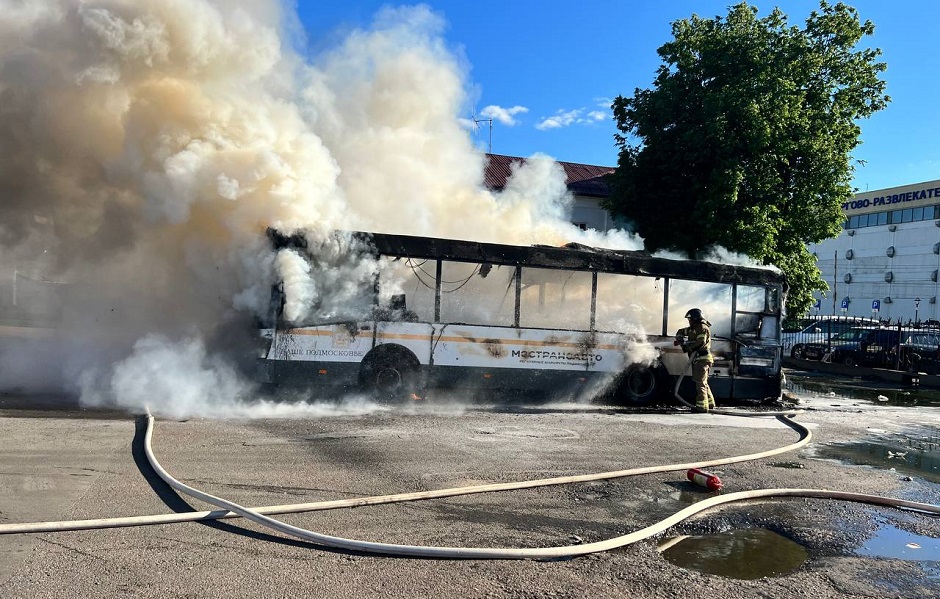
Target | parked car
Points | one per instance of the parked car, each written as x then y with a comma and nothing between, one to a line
796,325
846,339
821,330
875,348
919,351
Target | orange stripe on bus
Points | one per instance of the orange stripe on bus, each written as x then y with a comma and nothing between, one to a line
523,342
312,332
453,339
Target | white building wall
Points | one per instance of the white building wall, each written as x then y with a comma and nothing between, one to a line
892,262
587,213
856,263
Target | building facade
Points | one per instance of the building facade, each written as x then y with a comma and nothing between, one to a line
885,262
586,182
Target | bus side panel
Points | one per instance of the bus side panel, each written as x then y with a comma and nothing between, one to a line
327,355
333,376
325,343
416,336
567,385
723,380
526,349
676,361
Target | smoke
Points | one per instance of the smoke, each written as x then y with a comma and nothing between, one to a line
334,283
149,144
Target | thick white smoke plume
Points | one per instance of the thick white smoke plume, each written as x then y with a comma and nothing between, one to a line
149,144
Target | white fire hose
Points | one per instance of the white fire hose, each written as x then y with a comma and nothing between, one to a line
259,515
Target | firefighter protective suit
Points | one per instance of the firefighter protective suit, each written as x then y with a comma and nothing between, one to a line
696,341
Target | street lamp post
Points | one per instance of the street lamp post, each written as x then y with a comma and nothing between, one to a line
916,308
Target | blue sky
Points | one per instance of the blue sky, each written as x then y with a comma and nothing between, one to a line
545,71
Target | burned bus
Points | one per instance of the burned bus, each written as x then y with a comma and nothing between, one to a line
559,322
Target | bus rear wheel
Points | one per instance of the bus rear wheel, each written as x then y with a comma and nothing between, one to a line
640,385
390,373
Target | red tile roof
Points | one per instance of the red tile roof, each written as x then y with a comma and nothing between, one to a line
582,179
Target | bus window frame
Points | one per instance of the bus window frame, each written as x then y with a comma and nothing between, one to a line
662,272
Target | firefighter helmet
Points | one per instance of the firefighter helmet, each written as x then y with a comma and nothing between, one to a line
695,315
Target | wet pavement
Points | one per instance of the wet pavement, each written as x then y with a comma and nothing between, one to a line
744,554
914,451
820,385
75,463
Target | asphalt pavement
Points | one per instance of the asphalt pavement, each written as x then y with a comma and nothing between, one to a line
61,462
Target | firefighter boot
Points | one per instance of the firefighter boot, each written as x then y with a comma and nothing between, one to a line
701,406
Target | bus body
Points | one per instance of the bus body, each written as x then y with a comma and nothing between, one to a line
568,321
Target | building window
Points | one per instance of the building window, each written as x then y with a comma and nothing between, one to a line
892,217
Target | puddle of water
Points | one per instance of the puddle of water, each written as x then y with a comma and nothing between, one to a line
807,384
914,452
741,554
892,542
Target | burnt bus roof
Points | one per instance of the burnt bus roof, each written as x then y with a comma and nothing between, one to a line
570,256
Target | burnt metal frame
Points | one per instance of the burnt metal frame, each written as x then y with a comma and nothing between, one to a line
568,257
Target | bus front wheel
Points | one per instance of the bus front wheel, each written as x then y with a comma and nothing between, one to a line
390,373
640,385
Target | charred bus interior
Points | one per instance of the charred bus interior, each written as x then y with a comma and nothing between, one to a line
536,320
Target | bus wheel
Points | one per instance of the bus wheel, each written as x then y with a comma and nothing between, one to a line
797,352
390,372
640,385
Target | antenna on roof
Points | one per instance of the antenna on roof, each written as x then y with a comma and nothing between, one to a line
477,121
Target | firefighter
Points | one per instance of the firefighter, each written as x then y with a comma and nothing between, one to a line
696,341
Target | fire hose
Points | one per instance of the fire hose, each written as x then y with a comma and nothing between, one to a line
261,516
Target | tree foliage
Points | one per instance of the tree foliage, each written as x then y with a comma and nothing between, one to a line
745,140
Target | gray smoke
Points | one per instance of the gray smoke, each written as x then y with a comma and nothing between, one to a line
149,144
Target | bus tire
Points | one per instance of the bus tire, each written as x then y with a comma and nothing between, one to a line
390,372
640,385
797,352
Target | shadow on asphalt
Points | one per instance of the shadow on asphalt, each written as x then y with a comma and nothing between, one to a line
53,405
175,502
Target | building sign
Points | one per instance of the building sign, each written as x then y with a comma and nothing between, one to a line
886,198
875,305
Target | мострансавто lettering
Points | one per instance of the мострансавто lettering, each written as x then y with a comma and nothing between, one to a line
554,355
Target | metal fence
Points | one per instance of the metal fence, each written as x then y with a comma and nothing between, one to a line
898,345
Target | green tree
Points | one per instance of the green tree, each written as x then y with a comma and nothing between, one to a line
745,140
